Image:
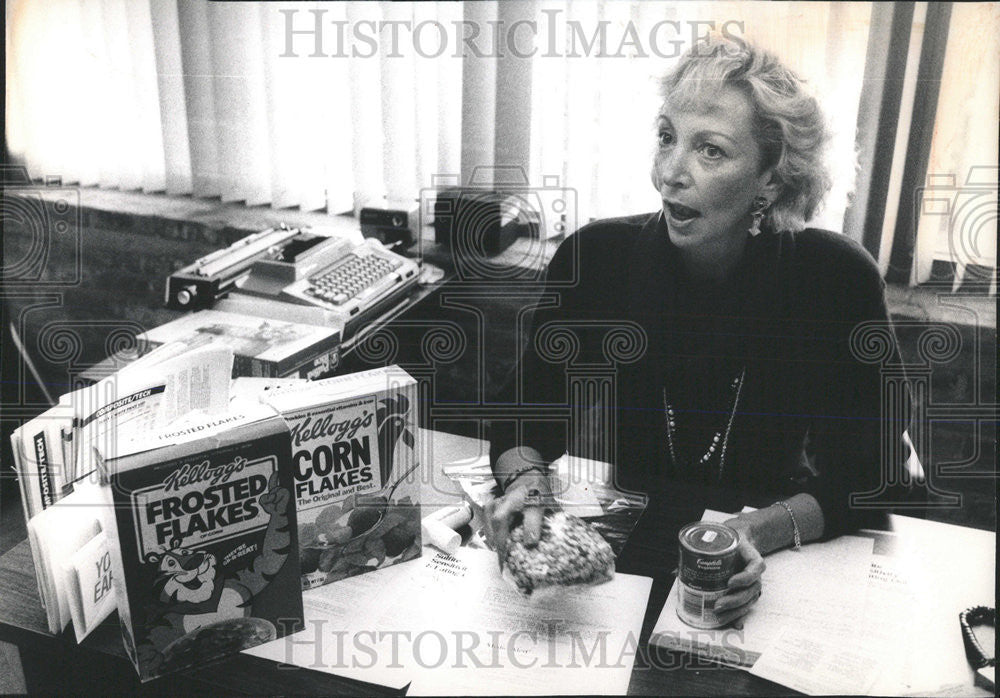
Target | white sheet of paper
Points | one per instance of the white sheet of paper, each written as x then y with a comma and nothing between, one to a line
914,597
58,532
341,635
815,587
822,585
910,645
816,663
91,595
481,637
452,626
124,407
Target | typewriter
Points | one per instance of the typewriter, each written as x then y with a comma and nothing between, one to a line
355,282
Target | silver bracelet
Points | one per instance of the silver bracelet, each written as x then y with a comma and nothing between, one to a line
511,477
795,524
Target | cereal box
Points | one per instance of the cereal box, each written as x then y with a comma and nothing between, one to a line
356,471
204,533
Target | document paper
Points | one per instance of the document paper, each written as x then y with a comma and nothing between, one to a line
453,626
814,587
486,638
819,664
90,593
343,626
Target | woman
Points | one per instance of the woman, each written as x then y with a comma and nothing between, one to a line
746,316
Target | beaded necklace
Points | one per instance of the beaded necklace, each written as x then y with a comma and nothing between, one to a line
736,387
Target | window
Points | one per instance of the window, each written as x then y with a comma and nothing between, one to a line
328,106
955,217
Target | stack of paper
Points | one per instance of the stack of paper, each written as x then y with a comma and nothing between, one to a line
71,561
41,454
56,449
54,456
851,616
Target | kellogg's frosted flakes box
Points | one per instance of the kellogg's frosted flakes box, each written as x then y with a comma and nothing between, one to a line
357,484
206,540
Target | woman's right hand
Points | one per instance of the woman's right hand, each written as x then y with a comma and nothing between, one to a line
526,499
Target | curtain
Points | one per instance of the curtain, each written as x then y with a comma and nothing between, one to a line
329,106
228,99
592,117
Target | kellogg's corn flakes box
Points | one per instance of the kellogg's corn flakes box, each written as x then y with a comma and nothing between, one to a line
356,470
204,540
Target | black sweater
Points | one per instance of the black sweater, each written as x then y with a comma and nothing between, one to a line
618,311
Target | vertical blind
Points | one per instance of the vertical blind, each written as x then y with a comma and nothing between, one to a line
229,100
592,117
202,98
197,98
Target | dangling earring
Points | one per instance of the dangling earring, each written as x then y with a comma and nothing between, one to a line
760,206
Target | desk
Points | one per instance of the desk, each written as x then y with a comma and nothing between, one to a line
56,664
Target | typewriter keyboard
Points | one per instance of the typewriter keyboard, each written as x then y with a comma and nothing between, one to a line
351,278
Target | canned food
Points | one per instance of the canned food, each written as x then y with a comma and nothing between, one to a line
708,559
707,555
697,608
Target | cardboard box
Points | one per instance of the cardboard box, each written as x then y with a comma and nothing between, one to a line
204,540
263,347
357,475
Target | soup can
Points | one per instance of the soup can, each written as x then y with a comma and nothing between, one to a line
708,558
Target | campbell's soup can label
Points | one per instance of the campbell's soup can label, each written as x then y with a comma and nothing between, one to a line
697,608
707,556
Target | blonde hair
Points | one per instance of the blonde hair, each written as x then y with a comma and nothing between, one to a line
788,124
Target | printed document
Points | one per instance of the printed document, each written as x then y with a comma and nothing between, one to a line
875,613
482,637
815,587
137,400
342,635
452,626
819,664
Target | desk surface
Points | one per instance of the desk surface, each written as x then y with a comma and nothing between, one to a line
961,556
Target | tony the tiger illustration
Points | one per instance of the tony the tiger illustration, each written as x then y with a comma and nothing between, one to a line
190,591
